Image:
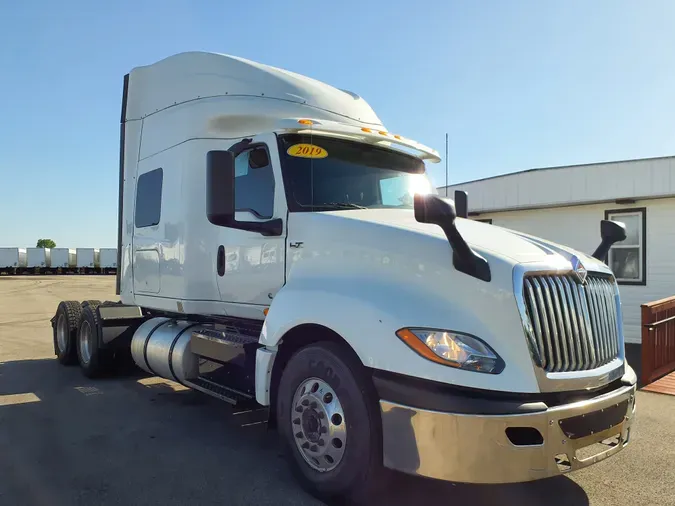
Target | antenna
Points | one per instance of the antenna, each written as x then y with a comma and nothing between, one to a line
446,164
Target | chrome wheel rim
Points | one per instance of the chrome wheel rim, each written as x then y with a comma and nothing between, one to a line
62,333
85,342
318,425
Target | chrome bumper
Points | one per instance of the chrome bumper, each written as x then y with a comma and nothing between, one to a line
476,449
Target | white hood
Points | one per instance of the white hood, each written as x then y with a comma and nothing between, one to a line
492,240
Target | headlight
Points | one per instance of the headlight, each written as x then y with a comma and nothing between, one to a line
453,349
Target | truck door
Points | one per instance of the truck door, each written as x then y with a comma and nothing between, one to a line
254,264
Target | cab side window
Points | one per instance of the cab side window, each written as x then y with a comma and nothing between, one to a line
149,199
254,183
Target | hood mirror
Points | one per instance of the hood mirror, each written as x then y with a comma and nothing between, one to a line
438,211
462,203
434,209
610,232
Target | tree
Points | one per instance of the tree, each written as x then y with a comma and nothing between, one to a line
45,243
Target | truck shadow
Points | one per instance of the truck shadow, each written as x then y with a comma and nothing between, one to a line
135,439
409,490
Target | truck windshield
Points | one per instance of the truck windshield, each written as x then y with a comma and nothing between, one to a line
323,173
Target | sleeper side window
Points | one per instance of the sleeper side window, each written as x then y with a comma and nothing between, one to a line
149,198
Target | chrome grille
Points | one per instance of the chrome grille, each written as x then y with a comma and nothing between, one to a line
574,325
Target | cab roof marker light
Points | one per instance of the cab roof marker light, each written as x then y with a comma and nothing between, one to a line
306,122
336,128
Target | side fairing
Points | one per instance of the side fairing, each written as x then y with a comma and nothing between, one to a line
132,141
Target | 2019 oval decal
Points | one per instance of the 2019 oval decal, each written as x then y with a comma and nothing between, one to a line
307,151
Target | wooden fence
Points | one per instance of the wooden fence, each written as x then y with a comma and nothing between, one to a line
658,339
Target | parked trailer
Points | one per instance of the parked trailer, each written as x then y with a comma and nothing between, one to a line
86,260
12,260
387,329
38,260
63,260
108,260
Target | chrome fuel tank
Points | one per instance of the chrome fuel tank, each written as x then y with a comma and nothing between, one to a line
161,346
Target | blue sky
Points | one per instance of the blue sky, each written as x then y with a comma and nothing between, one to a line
516,84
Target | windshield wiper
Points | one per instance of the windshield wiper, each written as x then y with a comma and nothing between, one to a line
341,205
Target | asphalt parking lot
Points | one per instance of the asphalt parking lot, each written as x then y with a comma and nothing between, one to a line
136,440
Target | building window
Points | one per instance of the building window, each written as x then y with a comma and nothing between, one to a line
149,198
254,183
628,259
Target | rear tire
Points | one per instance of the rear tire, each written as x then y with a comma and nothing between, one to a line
327,403
94,360
91,303
66,324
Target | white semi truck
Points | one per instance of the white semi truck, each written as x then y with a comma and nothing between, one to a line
279,247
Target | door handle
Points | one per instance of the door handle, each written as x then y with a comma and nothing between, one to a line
221,261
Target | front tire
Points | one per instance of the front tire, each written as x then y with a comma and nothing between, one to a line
329,421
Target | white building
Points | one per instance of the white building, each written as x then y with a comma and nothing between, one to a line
566,204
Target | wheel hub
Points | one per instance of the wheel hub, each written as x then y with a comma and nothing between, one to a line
311,425
318,425
85,342
62,333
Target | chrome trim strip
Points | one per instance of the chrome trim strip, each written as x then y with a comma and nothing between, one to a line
588,324
543,361
578,362
563,360
565,303
615,318
612,313
582,331
546,329
554,324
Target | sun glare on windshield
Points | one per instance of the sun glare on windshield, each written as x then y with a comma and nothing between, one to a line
419,183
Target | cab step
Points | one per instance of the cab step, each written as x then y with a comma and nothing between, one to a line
246,412
221,392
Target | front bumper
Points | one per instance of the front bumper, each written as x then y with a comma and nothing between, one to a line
529,444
